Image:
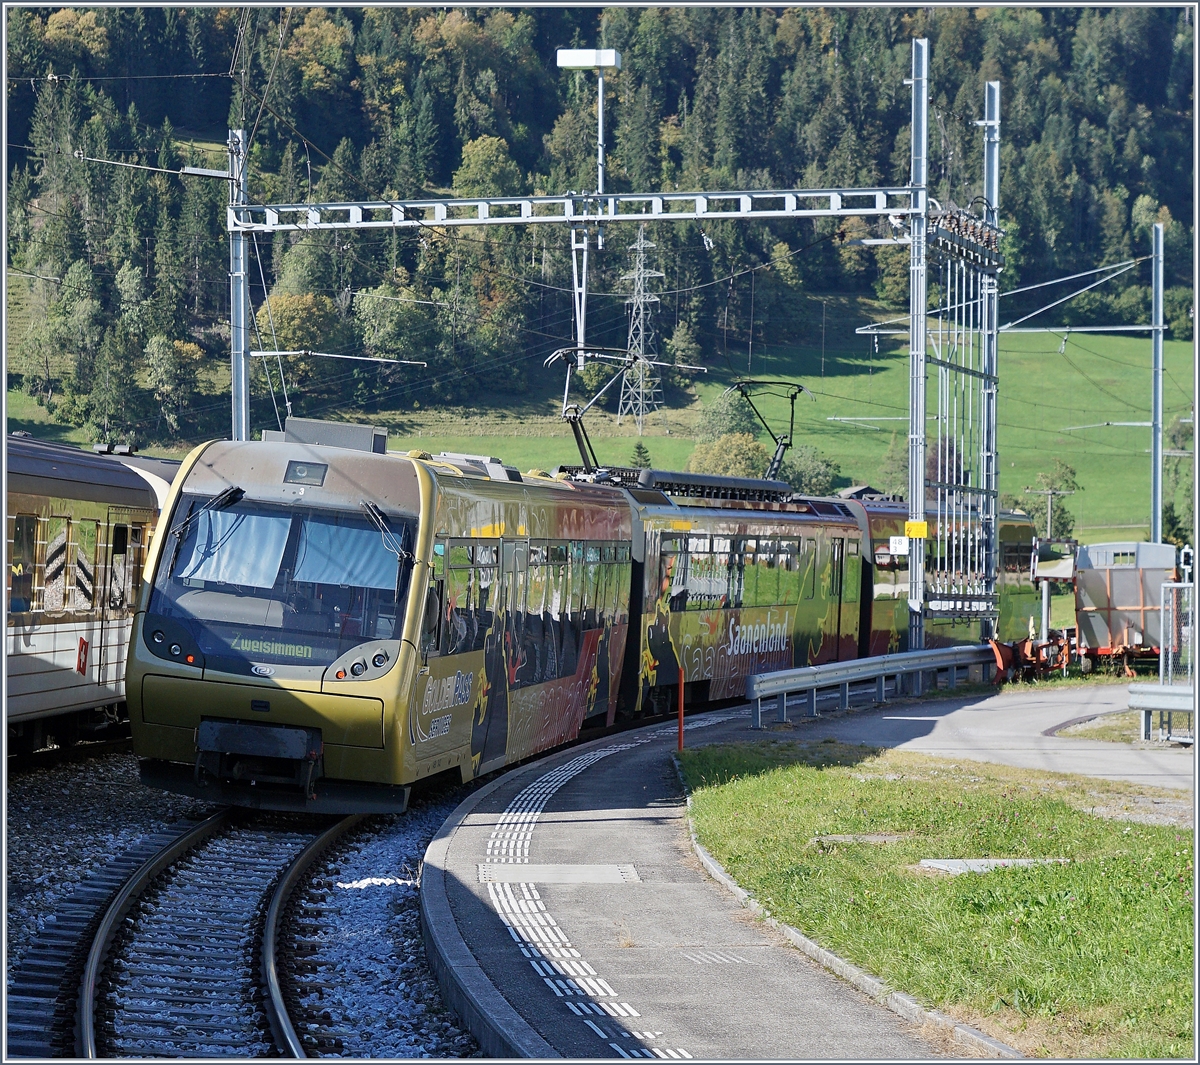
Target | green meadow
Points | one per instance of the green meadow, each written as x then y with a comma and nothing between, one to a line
1088,953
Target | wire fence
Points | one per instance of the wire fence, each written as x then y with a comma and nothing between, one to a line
1177,654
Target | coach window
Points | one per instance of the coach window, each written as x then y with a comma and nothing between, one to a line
536,657
852,583
86,541
21,560
766,577
137,559
622,574
56,590
486,589
672,574
810,568
838,543
789,572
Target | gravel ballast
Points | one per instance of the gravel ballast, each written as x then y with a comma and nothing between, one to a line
67,821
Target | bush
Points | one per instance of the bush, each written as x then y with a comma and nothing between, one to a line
1177,311
731,455
726,415
810,472
593,377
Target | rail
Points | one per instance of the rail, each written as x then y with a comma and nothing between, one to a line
109,925
284,1032
808,680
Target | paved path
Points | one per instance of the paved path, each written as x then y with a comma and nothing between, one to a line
1009,728
643,955
566,915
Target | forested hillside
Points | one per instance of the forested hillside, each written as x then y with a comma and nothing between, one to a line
123,272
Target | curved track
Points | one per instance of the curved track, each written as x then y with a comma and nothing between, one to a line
184,961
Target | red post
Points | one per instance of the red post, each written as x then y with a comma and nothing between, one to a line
681,708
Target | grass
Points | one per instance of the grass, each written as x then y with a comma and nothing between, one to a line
1090,958
1115,728
1096,378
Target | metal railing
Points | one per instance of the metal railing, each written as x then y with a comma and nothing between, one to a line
808,680
1174,695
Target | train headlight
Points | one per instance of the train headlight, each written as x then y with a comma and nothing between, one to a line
176,649
358,668
158,637
380,659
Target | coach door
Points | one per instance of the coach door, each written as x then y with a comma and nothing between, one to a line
118,593
837,558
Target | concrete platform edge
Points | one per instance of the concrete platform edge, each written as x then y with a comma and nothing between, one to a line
500,1030
899,1003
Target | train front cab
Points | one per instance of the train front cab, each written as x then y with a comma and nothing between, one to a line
274,634
321,627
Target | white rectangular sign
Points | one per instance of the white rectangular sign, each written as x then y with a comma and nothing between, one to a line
898,545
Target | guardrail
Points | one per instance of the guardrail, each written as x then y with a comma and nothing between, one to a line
1167,700
807,680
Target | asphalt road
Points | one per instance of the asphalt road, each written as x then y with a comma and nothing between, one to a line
1009,727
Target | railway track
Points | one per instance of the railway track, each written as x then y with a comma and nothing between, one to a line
186,959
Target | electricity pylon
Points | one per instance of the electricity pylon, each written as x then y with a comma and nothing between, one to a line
641,391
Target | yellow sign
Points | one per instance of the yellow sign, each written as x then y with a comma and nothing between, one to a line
916,530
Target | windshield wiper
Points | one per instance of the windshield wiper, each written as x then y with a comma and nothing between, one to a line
380,521
220,501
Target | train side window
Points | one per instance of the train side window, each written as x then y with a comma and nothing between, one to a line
460,615
673,574
853,579
539,653
485,599
56,590
118,569
700,578
789,565
21,561
766,563
86,544
809,568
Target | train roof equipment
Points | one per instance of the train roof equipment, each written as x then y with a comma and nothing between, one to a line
352,435
40,467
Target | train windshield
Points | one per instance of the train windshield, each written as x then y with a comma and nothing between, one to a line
284,585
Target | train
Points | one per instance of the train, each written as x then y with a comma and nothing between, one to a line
79,523
320,627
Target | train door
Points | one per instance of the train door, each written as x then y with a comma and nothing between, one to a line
121,583
504,664
837,557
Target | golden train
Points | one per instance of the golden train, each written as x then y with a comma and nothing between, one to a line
321,626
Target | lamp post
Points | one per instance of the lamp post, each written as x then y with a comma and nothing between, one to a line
599,60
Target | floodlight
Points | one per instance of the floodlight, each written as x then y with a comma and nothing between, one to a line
589,58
